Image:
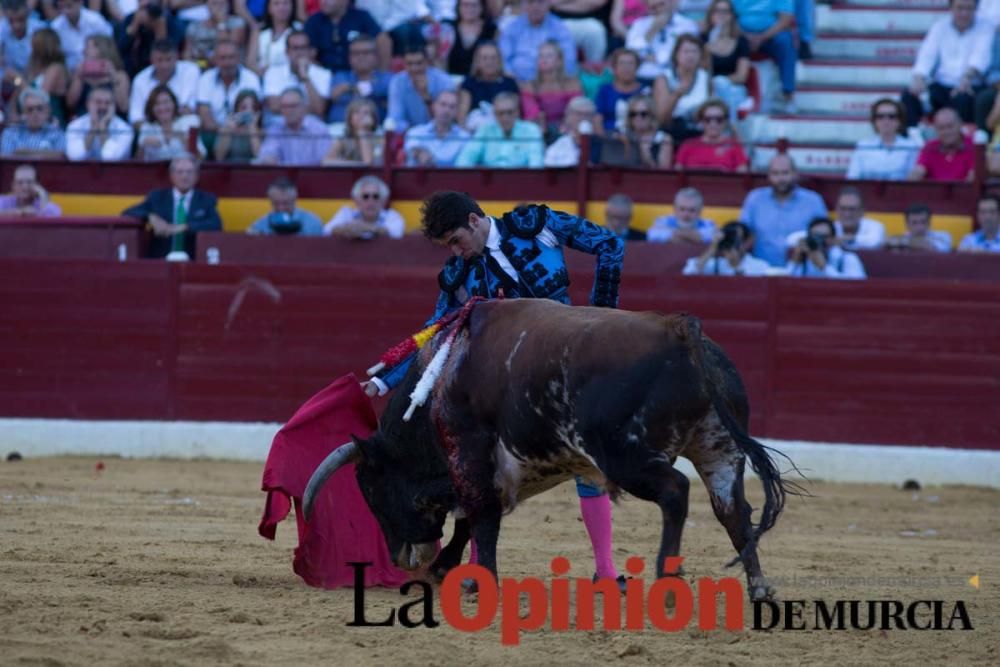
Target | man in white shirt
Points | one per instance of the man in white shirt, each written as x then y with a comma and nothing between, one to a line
666,24
300,72
219,86
951,62
854,230
180,76
728,255
369,218
100,134
818,255
438,142
987,238
579,119
686,224
74,25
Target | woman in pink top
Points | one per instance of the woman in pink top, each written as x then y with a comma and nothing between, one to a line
544,100
716,148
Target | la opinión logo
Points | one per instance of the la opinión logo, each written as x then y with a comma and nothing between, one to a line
667,604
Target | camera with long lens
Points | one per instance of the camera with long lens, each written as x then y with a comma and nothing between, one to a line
283,224
814,243
732,239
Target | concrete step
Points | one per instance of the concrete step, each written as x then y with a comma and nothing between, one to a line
814,129
810,159
876,20
881,48
853,74
840,101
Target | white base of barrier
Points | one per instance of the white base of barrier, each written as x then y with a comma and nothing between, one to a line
251,441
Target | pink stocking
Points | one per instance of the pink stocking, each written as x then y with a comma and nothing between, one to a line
473,553
596,513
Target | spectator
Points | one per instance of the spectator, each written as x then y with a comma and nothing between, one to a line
137,37
101,68
618,218
485,81
506,142
369,218
678,93
854,230
298,139
267,47
74,25
362,142
918,235
411,91
330,31
240,138
587,22
767,26
285,218
16,29
27,197
164,134
473,27
579,119
521,39
890,155
300,72
624,13
783,207
100,134
730,56
363,81
219,86
728,255
716,148
438,142
545,98
817,255
47,70
642,144
987,238
180,76
36,137
653,37
221,25
987,104
402,23
612,97
685,225
950,157
175,215
950,63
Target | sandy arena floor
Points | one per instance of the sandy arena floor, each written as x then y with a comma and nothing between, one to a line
159,563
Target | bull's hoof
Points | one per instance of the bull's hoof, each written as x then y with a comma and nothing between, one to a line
763,592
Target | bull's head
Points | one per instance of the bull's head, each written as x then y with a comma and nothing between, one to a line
410,500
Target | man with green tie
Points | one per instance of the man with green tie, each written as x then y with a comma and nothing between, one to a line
174,215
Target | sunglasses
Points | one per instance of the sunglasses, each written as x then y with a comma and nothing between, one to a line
713,119
886,116
370,195
30,109
638,114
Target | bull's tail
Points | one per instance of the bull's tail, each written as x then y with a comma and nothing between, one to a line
761,457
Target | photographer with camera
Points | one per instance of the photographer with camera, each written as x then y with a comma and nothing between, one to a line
285,218
819,255
728,255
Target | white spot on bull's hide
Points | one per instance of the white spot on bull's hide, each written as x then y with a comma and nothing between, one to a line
508,475
517,345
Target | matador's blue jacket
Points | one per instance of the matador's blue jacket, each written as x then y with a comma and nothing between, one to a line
541,268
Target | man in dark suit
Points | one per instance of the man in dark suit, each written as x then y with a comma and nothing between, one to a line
176,214
618,218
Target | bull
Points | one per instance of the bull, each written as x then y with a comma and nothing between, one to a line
534,392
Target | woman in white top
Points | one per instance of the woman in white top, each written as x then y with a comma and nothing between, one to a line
890,154
163,134
678,93
267,48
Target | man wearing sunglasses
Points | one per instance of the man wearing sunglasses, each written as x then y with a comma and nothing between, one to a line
369,218
36,137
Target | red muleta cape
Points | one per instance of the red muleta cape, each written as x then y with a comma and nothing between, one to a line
342,529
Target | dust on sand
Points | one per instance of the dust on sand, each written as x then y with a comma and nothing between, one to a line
159,563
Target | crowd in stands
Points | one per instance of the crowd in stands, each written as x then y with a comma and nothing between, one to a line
477,83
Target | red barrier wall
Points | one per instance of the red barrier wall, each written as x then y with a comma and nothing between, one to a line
903,362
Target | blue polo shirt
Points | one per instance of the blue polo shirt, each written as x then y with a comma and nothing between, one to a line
331,40
759,15
772,220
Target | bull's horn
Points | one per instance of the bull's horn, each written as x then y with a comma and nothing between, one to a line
342,455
